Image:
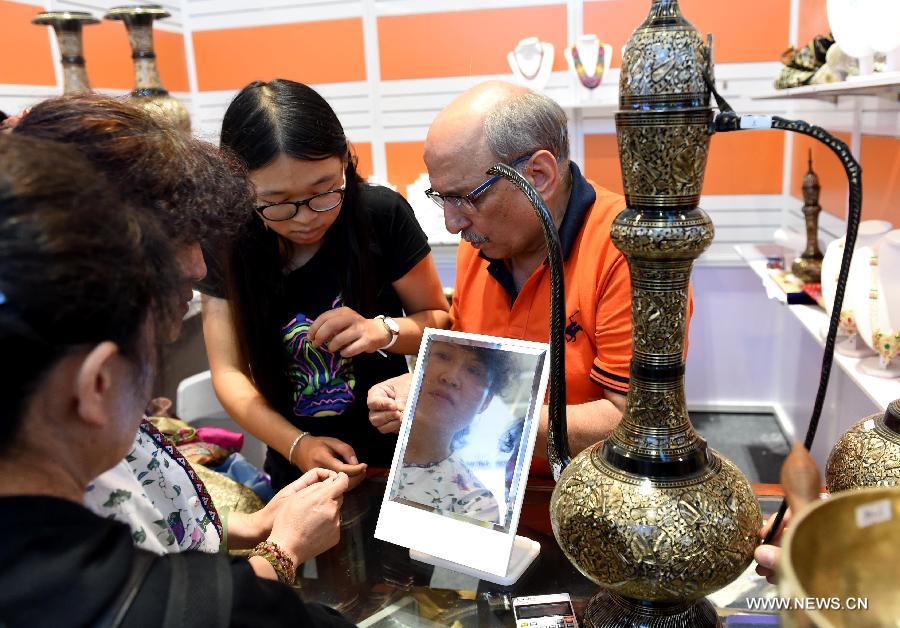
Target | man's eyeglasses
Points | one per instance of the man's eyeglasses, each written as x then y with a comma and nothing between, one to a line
466,202
285,210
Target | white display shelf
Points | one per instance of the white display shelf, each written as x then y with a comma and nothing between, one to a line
880,390
597,107
814,319
756,256
881,84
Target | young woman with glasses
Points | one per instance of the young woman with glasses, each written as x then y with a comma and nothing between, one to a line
329,285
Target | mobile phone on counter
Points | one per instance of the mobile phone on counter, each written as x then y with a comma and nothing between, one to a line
544,611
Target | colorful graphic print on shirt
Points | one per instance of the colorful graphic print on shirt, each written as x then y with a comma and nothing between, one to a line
322,381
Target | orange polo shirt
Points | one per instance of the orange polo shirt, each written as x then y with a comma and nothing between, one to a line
597,295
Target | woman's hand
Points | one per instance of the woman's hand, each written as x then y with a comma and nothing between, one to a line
344,331
329,453
308,521
767,556
387,401
246,530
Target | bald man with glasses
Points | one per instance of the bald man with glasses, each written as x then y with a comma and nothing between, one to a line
502,280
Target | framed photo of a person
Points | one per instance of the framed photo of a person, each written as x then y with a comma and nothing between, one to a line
459,471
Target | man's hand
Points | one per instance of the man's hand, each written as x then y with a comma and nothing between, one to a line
343,330
767,556
387,401
329,453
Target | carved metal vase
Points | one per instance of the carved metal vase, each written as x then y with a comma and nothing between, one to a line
868,454
68,28
149,92
653,515
808,267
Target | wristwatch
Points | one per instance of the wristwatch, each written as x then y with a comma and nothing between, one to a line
392,327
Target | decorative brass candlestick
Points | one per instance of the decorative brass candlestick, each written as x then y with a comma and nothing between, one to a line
653,515
68,28
868,454
149,92
808,267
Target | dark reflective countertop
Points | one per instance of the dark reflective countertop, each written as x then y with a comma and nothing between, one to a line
376,584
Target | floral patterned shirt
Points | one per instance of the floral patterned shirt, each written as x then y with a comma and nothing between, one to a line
449,486
155,492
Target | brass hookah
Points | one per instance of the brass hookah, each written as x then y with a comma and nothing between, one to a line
808,267
653,515
68,28
149,92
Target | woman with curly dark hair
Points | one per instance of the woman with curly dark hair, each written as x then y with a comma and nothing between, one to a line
198,195
88,294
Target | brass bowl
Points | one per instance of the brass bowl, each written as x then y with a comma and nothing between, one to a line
844,552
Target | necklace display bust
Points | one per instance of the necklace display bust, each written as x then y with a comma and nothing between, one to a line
877,307
531,62
849,342
588,59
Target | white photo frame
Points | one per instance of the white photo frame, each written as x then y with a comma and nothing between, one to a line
471,418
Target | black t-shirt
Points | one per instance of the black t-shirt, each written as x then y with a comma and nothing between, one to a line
328,393
65,566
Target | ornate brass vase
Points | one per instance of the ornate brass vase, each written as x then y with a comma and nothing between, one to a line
868,454
653,515
68,28
149,92
808,267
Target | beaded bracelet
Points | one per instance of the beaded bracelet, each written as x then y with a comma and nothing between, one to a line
280,561
290,457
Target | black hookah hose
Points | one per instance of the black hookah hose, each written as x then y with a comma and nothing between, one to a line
728,120
557,438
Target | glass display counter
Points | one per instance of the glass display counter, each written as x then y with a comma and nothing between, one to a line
376,584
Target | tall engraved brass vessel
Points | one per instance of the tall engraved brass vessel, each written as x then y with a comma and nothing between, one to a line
148,91
653,515
868,454
68,28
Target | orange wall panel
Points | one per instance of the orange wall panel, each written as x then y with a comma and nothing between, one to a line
601,161
739,163
745,163
404,163
812,21
833,197
613,22
108,57
25,56
880,160
464,43
172,60
314,52
363,153
761,34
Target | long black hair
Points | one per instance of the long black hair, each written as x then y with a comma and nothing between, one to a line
264,120
78,266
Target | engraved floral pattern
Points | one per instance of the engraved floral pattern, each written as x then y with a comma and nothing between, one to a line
866,455
652,540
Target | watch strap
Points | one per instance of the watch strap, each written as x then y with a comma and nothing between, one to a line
393,333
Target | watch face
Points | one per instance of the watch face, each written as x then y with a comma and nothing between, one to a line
392,325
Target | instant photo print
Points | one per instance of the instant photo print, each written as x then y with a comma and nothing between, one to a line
456,484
